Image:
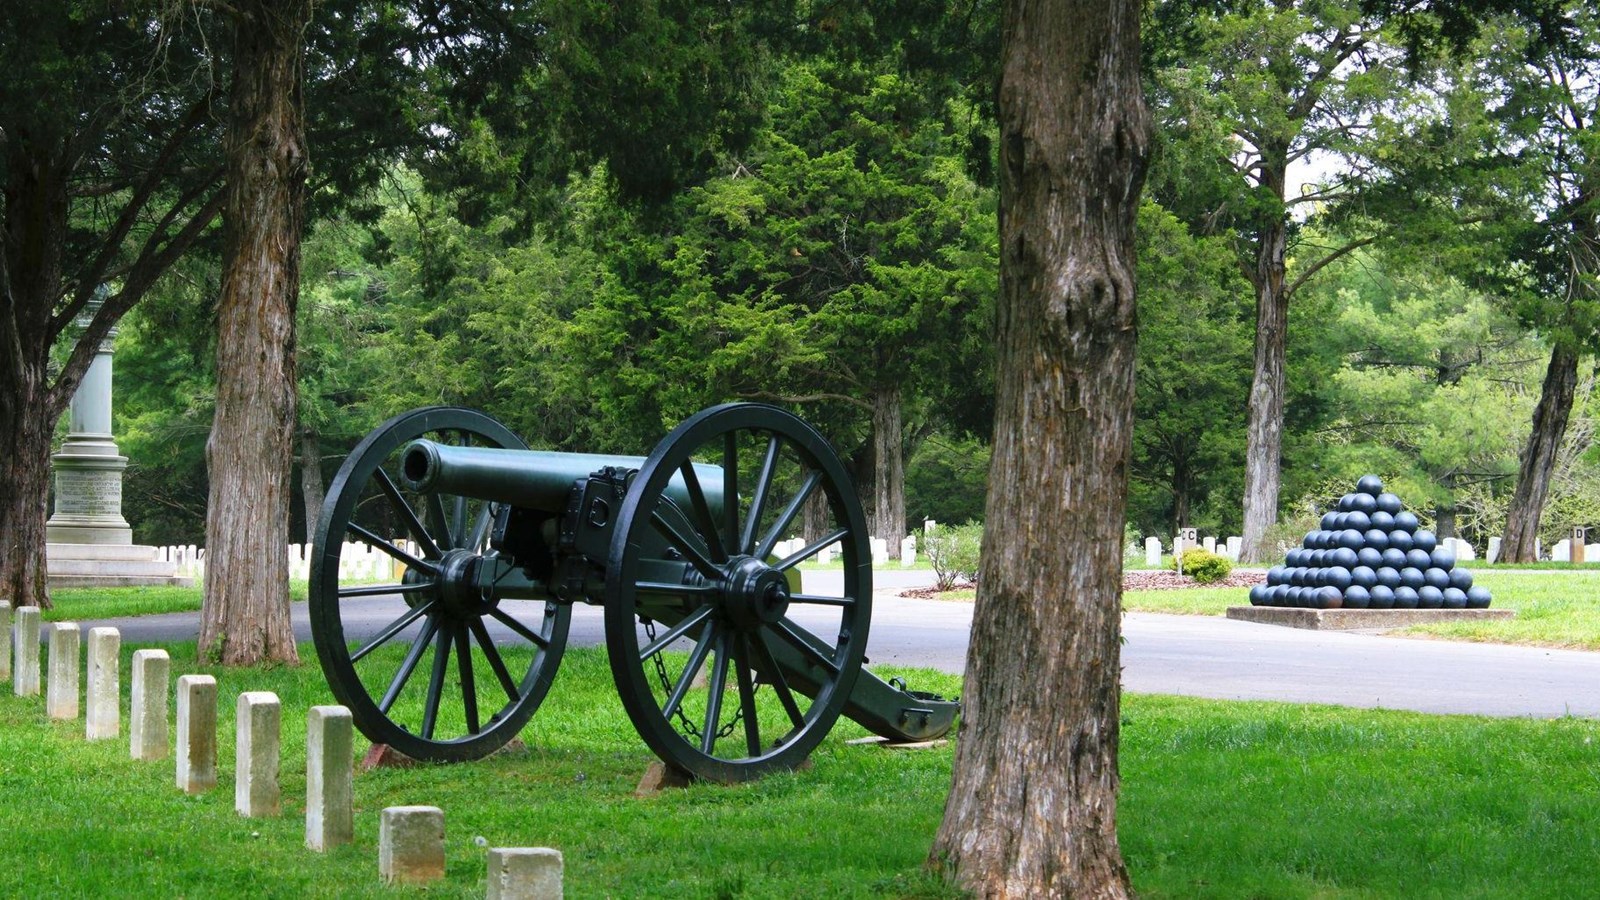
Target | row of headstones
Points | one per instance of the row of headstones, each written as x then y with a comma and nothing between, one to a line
410,838
1228,548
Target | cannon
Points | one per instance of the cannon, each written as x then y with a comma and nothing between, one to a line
727,669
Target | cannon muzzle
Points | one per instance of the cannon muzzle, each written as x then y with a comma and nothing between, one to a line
531,479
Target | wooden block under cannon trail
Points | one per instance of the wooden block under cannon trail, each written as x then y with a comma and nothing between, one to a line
887,744
25,638
148,737
411,844
329,746
103,718
524,873
256,751
197,733
61,685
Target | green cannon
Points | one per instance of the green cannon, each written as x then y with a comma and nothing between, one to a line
727,668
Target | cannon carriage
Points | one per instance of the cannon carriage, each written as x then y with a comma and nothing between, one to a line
727,669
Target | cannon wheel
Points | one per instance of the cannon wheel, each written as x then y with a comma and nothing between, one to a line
737,607
500,676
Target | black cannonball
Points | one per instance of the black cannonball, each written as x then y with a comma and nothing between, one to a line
1365,503
1370,484
1455,598
1341,521
1347,502
1369,557
1344,557
1357,597
1424,540
1301,596
1460,579
1329,598
1283,595
1296,576
1326,539
1389,503
1394,559
1443,557
1429,597
1255,595
1405,598
1350,538
1363,577
1328,520
1388,577
1360,521
1418,559
1477,598
1292,558
1405,520
1412,578
1336,577
1382,520
1377,540
1436,577
1316,559
1275,575
1311,540
1401,540
1382,597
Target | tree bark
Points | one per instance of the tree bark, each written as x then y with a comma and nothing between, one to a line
1032,808
311,488
245,619
1264,431
889,471
1538,460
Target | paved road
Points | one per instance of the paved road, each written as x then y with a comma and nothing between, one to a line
1201,656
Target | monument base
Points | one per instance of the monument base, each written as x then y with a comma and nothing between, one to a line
1355,619
110,565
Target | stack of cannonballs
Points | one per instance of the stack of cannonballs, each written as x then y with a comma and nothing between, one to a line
1370,554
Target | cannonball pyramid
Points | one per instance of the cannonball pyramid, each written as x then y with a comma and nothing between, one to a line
1370,554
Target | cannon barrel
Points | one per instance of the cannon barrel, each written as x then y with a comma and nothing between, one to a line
531,479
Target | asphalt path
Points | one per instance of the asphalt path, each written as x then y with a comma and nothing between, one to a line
1202,656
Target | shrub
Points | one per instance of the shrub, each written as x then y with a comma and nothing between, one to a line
1204,566
953,551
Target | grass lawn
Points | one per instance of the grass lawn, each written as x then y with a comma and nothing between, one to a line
1219,800
84,604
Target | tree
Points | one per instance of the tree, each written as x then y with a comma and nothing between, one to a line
1032,808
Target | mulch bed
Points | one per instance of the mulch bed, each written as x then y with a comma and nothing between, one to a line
1146,580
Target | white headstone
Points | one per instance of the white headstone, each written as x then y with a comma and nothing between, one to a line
1152,551
61,685
329,774
5,628
880,551
929,525
1562,551
1494,550
1235,542
148,735
1464,551
411,844
256,751
25,638
524,873
103,718
1209,543
197,733
908,551
824,556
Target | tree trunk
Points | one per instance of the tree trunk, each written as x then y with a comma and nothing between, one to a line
814,518
1264,435
1032,808
889,471
25,436
245,619
311,490
1539,456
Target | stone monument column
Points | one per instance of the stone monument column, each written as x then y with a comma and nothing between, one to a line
88,468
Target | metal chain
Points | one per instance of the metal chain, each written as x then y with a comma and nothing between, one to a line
688,726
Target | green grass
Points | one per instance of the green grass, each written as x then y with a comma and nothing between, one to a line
84,604
1186,601
1219,800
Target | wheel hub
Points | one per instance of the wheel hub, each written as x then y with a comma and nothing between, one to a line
754,593
458,584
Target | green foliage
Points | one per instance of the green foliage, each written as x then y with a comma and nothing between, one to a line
947,480
954,551
1203,566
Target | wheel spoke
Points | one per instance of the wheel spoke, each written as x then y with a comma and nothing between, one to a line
758,499
409,665
506,619
747,697
730,485
675,632
719,681
392,629
686,546
430,549
702,511
384,590
775,533
824,601
690,669
805,554
379,544
496,663
437,519
469,688
780,685
803,641
441,664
